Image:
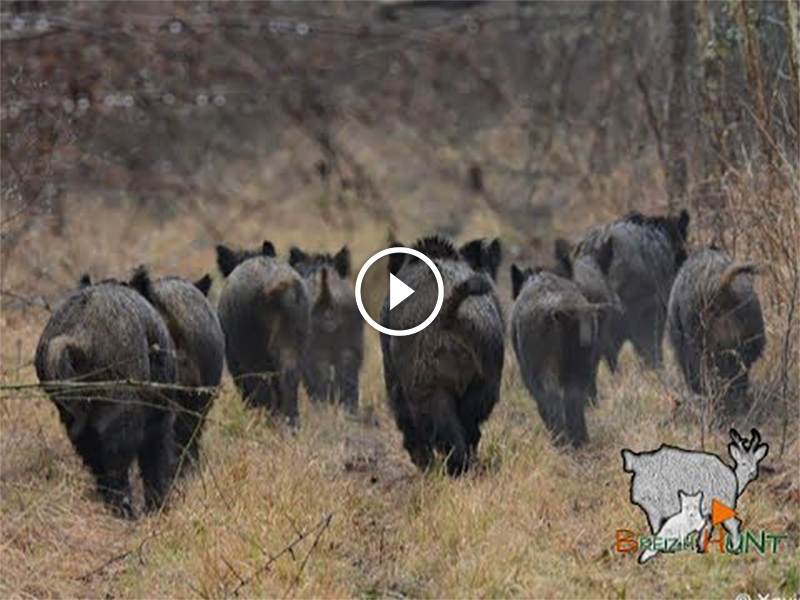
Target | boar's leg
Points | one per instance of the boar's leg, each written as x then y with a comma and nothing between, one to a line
646,333
576,377
157,457
611,355
115,487
110,467
734,378
738,400
691,362
317,379
476,404
448,434
288,382
258,389
550,407
347,379
574,404
189,422
415,442
612,337
591,392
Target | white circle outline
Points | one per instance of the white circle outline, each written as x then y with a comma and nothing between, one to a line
439,284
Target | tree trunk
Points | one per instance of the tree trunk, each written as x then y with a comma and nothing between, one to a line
676,169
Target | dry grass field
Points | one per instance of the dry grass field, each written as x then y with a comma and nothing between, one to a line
337,509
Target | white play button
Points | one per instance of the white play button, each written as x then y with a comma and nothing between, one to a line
398,291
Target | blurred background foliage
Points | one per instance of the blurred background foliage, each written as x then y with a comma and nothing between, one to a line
515,107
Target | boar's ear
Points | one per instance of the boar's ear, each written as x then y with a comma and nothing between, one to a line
562,250
494,256
472,252
296,256
517,280
141,281
396,261
227,259
267,249
683,224
605,255
203,284
341,262
85,280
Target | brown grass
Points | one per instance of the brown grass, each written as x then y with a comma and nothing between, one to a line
530,520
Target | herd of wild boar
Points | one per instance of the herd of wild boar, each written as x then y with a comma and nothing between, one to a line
132,366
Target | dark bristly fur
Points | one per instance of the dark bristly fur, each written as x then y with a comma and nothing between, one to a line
716,327
200,351
265,314
108,332
228,259
444,381
335,350
204,284
648,251
553,331
483,255
590,273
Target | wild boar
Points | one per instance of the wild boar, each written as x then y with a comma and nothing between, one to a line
265,314
443,381
335,350
108,333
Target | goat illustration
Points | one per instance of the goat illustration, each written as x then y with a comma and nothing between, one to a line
659,475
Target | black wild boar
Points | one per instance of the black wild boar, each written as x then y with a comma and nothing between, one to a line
716,327
444,381
648,251
590,273
335,348
553,331
265,314
108,332
200,351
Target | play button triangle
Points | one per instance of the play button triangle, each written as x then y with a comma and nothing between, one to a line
398,291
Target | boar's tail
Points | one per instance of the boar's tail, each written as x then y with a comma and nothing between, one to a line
578,333
733,271
61,356
477,285
325,297
283,293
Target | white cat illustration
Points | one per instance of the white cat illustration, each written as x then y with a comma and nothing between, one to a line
689,520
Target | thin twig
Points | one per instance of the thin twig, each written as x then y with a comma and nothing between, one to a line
318,529
118,557
38,302
317,537
51,386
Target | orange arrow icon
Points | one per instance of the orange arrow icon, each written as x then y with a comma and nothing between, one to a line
720,512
